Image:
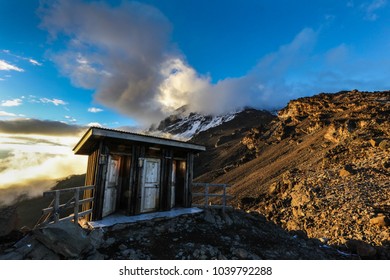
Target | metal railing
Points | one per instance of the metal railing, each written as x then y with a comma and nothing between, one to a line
207,195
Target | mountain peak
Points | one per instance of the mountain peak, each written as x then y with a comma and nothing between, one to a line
186,125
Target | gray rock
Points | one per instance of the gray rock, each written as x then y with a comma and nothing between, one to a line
227,219
241,253
65,239
41,252
110,241
96,256
96,237
209,217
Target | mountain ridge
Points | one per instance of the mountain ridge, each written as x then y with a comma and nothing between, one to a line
322,167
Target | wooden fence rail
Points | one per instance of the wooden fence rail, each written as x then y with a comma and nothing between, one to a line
52,214
206,194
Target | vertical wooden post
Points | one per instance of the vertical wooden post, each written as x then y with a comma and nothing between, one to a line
57,206
206,195
76,206
224,199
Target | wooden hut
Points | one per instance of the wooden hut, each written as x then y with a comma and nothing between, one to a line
134,173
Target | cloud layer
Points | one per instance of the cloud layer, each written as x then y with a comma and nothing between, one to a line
41,127
34,154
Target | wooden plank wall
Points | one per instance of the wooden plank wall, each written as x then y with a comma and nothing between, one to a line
188,180
99,184
90,179
165,179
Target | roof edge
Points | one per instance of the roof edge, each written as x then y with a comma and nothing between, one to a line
131,136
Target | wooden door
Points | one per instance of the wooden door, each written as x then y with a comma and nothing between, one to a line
173,184
150,187
111,185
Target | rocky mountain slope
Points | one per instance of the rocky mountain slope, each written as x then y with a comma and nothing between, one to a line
321,167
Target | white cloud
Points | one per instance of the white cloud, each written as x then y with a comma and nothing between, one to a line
71,119
6,114
54,101
5,66
371,9
34,62
95,110
11,102
95,124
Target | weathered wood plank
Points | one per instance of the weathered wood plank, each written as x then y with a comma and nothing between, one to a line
83,188
76,205
56,206
82,201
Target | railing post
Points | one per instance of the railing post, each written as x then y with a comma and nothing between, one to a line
224,199
76,206
206,194
57,206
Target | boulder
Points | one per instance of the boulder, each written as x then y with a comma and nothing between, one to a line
65,239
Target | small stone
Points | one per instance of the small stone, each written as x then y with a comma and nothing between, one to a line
241,253
96,237
273,188
109,242
346,171
122,247
373,142
384,145
380,221
209,217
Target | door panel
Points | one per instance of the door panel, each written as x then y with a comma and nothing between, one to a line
111,185
173,184
150,185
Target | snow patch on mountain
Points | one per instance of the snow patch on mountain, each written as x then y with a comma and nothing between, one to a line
188,126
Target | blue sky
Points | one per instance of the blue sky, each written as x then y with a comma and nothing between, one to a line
220,48
67,64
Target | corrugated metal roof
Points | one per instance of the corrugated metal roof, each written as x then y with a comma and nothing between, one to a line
89,140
